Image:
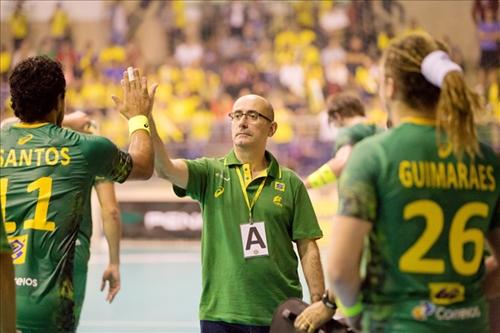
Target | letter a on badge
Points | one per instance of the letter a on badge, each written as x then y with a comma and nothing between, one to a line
254,241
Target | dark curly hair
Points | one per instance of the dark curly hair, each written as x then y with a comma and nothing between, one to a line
35,85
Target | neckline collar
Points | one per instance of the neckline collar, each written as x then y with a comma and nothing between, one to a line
419,121
273,169
30,125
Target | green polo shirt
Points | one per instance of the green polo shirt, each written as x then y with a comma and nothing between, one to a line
248,290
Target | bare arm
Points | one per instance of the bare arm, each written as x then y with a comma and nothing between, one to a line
492,281
141,151
343,270
138,101
78,121
8,294
336,164
174,170
311,265
343,273
112,228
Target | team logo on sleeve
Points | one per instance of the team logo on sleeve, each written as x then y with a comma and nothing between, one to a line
19,247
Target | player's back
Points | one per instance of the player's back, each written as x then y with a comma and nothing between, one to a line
45,186
427,245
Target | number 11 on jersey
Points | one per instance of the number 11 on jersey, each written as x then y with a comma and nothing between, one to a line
39,221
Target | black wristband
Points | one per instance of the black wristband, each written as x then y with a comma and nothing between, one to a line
326,301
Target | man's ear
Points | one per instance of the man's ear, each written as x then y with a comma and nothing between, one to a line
272,130
337,119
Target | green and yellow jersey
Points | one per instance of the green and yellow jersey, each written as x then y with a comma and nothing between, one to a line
353,134
430,215
47,173
237,288
4,244
82,256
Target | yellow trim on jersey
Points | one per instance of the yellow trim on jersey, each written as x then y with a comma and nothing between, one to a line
244,184
30,125
419,121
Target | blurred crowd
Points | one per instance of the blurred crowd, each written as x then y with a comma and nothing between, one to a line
294,53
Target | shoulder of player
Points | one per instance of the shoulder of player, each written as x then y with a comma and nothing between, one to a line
206,165
209,161
489,155
4,132
86,143
378,138
374,145
91,139
64,133
353,134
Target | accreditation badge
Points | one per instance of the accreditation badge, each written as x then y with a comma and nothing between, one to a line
253,239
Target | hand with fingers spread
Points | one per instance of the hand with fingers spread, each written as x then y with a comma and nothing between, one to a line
138,101
313,317
112,276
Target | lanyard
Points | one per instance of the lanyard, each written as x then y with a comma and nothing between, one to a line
245,194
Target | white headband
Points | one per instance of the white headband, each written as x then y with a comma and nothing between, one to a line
436,65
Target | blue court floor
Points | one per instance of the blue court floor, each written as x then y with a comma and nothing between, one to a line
161,285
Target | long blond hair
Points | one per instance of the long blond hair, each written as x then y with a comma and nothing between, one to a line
455,103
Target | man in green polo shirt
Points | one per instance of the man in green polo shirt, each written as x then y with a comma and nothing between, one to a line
253,210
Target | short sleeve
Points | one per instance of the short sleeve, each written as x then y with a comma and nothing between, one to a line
198,170
343,139
105,159
305,224
357,192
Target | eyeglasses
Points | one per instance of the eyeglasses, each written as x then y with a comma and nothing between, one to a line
252,115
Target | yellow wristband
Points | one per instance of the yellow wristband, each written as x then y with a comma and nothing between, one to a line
322,176
351,311
138,123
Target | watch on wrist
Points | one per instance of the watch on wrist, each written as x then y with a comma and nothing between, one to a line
326,301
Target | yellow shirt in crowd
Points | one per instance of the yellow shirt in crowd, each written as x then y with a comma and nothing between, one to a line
19,26
59,23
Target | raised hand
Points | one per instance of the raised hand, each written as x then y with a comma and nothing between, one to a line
137,100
